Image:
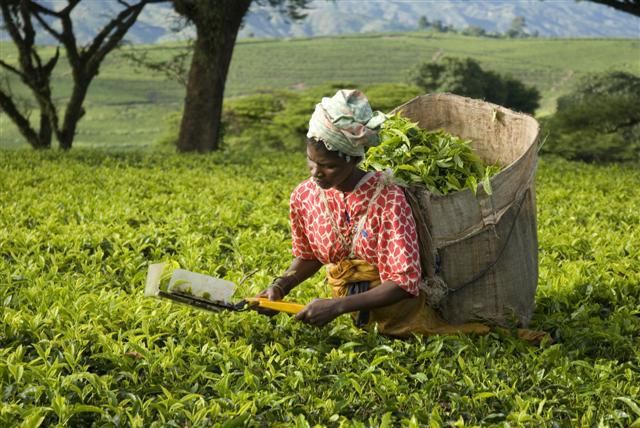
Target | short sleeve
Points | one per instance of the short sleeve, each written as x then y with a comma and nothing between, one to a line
300,246
398,252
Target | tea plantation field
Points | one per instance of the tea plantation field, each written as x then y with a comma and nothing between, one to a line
125,104
81,346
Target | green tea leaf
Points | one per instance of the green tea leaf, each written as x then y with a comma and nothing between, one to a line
443,163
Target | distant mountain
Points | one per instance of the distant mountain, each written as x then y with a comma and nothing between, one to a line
550,18
547,18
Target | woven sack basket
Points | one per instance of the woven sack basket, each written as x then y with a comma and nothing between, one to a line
479,253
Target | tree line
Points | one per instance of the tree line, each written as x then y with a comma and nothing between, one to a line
517,30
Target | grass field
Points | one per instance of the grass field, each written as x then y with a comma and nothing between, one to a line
81,346
127,107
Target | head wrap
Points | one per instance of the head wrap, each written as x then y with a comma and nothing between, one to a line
346,123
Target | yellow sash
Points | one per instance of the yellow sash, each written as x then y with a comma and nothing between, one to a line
400,319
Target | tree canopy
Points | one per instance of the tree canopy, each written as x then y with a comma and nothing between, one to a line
465,77
22,18
599,121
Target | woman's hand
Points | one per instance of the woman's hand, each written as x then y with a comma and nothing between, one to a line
273,292
299,270
322,311
319,312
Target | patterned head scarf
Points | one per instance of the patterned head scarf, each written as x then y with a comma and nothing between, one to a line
346,123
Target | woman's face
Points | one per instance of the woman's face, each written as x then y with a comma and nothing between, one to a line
327,168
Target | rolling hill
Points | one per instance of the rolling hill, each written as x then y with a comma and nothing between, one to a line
127,105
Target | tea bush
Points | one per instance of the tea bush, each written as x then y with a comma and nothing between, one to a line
81,346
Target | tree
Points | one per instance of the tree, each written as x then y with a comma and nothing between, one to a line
35,73
438,26
423,23
628,6
519,96
465,77
517,29
459,76
474,31
217,24
599,121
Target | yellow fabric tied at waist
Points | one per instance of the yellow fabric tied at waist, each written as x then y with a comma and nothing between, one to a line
347,271
400,319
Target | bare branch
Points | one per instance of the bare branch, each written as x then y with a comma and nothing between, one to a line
69,39
70,6
48,68
37,7
11,25
57,35
113,33
12,69
175,68
27,27
628,6
23,124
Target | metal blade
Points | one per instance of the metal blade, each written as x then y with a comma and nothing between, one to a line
209,305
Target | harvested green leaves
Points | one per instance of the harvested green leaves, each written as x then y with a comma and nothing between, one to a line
442,162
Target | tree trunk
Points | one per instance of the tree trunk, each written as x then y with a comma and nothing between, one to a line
46,131
216,29
74,112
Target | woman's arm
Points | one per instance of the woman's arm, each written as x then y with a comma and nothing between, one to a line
321,311
300,270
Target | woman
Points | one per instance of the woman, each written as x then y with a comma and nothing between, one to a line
360,226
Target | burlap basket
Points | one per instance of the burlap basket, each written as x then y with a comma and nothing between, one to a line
481,250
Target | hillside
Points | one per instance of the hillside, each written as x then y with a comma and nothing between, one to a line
556,18
126,106
564,18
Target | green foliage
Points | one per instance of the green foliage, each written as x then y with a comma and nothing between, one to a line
172,127
613,83
279,119
460,76
517,29
81,346
386,97
474,31
517,95
126,103
423,23
441,162
599,121
465,77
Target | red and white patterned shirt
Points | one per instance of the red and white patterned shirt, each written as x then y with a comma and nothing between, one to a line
388,239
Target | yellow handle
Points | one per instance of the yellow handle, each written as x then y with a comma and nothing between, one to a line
277,305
